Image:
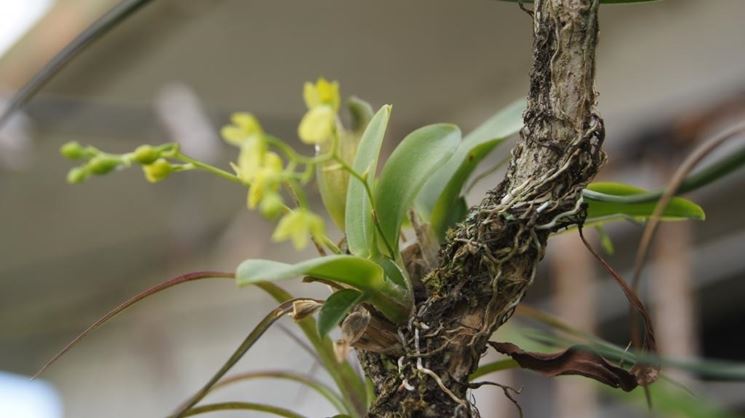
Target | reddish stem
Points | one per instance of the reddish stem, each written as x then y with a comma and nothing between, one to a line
198,275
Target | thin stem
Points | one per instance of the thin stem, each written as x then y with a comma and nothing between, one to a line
250,406
705,176
330,245
112,18
673,186
131,301
294,155
317,386
297,193
209,168
256,333
348,382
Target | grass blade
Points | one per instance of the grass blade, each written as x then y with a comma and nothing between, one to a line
245,406
95,31
278,312
131,301
350,384
715,171
317,386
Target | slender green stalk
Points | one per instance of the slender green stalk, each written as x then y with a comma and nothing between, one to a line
248,342
317,386
246,406
291,154
95,31
209,168
703,177
131,301
350,384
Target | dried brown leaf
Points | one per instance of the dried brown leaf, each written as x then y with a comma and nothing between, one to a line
572,361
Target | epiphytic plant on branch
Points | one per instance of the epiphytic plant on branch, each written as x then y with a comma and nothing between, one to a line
421,313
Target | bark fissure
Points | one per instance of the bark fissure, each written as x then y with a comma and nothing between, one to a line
488,261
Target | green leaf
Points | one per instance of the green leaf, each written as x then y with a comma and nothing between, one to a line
600,211
495,366
359,225
360,113
392,300
336,307
435,201
412,163
722,167
392,271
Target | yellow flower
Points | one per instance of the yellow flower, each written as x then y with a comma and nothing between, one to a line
158,170
323,93
251,158
317,126
244,127
266,180
299,225
322,100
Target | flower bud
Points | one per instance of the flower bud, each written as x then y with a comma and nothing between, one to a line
77,175
101,164
73,150
146,154
271,205
157,171
304,308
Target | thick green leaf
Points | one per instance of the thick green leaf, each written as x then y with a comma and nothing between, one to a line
359,225
360,273
599,211
392,271
435,201
412,163
336,307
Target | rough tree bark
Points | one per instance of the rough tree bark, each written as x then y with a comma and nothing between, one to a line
488,261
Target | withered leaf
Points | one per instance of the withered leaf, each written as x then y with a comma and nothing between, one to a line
572,361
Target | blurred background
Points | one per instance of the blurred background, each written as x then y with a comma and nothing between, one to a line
669,73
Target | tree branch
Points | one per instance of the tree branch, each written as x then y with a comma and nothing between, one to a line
489,260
